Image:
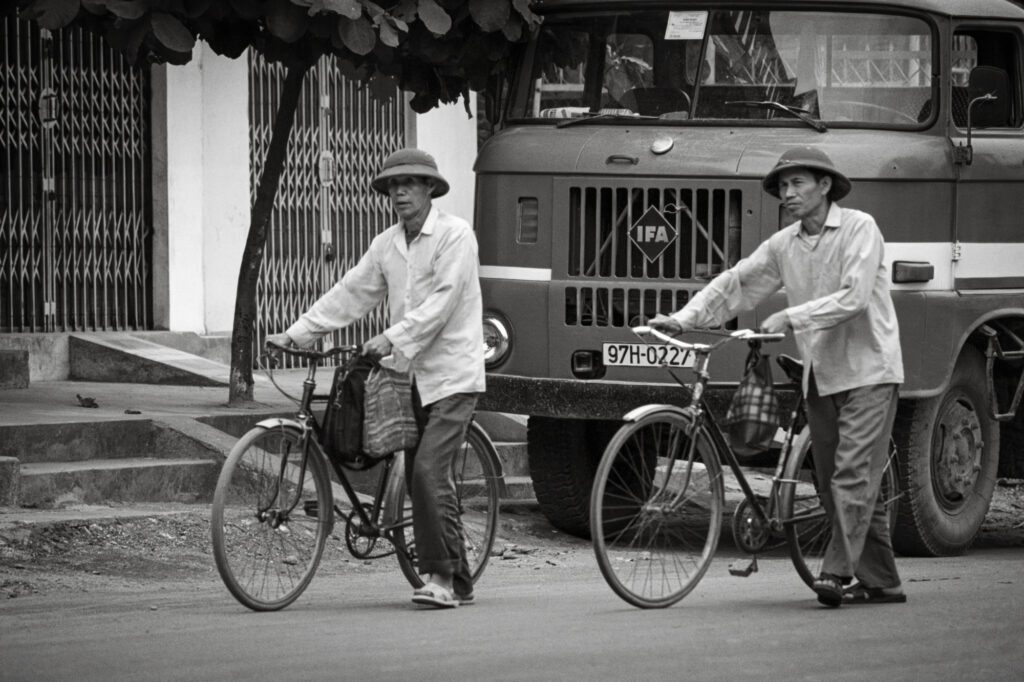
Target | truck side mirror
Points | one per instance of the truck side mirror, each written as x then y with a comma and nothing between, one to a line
988,96
988,104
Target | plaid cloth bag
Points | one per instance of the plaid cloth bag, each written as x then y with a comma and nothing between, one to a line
754,414
389,424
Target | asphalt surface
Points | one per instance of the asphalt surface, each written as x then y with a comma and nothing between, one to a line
542,620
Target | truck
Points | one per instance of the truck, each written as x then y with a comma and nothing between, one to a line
624,173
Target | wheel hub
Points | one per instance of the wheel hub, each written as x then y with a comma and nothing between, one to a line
958,455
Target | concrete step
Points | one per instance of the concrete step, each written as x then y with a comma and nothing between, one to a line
518,488
514,461
138,479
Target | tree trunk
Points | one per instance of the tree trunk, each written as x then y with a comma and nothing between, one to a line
241,386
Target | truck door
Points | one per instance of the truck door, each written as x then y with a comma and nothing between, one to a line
987,245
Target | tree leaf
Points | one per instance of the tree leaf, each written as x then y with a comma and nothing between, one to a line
405,10
388,35
346,8
373,9
490,15
357,34
171,33
51,14
126,9
434,18
513,29
286,21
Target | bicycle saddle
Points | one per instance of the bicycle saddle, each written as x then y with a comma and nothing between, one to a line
793,368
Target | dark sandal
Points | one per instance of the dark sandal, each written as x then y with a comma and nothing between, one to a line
829,590
861,594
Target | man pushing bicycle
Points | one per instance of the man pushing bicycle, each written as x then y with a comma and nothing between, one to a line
426,265
830,262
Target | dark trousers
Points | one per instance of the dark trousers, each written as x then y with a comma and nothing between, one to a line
429,473
850,434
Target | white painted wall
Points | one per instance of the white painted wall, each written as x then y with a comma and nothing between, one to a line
208,189
450,136
208,202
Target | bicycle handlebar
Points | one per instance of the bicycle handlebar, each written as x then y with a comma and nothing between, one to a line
739,334
313,354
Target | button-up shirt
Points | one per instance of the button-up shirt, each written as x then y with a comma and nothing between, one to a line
837,288
434,301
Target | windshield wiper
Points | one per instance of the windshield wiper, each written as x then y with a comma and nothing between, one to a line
588,117
801,114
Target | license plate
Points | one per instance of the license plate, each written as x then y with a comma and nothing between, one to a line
645,355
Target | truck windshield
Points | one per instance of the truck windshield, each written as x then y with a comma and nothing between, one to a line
709,65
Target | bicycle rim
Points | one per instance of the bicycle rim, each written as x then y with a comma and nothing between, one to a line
807,526
656,510
476,473
268,530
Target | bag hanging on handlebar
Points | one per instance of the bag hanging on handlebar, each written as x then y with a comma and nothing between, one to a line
389,424
343,419
754,414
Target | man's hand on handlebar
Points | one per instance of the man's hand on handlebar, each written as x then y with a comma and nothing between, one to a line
666,324
776,323
377,347
278,341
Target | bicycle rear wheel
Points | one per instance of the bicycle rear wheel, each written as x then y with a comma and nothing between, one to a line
270,518
656,510
476,471
808,529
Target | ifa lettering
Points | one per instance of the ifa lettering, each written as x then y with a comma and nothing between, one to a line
652,233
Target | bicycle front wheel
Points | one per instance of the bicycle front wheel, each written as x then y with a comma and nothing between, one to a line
272,513
656,509
476,471
807,526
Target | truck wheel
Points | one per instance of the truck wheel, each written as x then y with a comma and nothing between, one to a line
948,448
563,457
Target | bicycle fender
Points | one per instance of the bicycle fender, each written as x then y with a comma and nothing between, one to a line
639,413
278,422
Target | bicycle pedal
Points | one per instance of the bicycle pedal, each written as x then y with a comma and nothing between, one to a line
311,508
742,568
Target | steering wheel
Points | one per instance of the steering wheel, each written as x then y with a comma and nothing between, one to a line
894,113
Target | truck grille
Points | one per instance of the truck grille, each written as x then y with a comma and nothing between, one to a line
702,227
619,306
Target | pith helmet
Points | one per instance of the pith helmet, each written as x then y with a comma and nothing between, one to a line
807,157
410,162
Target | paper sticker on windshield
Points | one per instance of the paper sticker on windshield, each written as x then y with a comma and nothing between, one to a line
686,25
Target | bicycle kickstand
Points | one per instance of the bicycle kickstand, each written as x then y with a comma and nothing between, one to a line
742,568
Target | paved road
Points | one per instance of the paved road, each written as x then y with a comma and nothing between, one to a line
964,620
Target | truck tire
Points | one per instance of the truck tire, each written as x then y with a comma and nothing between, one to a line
948,450
563,457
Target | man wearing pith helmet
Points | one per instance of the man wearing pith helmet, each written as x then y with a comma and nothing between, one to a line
426,264
839,309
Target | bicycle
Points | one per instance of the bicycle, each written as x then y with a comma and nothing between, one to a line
657,501
268,525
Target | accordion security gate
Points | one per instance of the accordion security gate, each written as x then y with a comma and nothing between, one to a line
325,215
75,206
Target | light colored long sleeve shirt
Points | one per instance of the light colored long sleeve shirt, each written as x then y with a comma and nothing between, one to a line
837,288
434,301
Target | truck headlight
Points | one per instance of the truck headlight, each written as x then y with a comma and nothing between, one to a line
497,340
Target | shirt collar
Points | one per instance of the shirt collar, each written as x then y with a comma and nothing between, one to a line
833,219
428,224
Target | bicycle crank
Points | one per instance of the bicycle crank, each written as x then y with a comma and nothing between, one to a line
752,533
360,539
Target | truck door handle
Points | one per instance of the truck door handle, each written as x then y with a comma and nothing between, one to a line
623,158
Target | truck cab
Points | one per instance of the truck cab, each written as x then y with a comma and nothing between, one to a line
625,174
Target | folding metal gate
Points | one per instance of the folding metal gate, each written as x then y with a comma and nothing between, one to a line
75,208
326,215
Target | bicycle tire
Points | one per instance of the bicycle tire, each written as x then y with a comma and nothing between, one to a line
477,473
653,550
806,526
268,539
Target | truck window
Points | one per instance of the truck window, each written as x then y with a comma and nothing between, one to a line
973,48
846,68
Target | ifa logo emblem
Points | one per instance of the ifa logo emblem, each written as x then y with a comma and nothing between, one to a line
652,233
